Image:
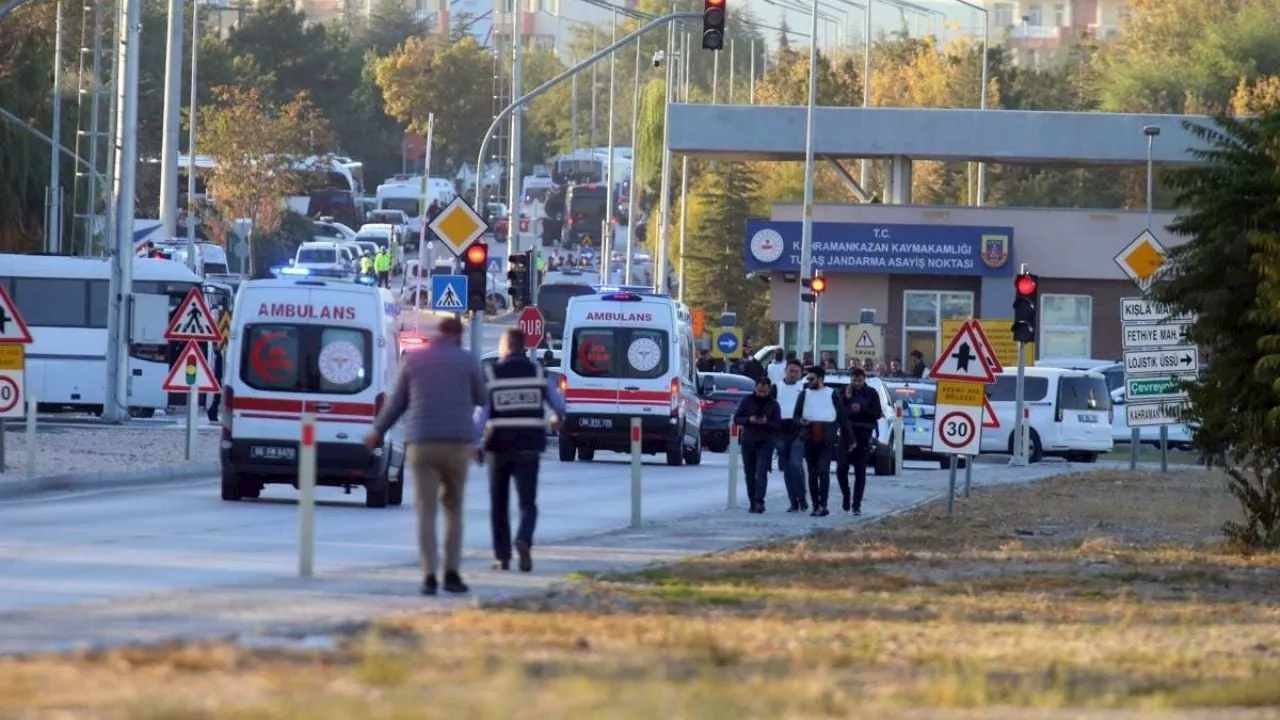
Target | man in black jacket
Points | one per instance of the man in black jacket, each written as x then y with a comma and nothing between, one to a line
515,434
863,411
759,417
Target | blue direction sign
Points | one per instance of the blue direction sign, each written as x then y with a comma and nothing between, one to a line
449,292
728,342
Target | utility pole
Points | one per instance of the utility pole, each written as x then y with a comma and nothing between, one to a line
514,170
191,139
53,225
806,231
606,237
172,122
115,406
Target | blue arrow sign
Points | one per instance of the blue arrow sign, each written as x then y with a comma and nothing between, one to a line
727,342
449,292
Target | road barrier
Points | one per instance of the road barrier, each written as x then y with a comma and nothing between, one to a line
31,434
307,496
897,438
734,454
635,472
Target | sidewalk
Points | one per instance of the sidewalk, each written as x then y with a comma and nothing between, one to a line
345,599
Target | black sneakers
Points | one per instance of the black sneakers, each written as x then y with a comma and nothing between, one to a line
452,583
526,556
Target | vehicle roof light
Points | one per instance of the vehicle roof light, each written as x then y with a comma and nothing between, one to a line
294,271
622,297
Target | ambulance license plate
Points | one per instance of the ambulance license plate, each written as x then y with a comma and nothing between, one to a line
272,452
597,423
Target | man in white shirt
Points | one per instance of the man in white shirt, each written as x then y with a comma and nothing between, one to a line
777,369
822,423
789,445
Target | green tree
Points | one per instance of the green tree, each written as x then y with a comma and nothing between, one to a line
253,143
725,195
1231,221
424,77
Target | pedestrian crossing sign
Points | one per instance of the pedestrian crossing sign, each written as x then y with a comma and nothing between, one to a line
193,320
449,292
865,342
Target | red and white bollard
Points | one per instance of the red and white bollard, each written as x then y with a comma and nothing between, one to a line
307,496
733,465
635,472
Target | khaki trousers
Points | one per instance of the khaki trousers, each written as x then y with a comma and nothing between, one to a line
440,478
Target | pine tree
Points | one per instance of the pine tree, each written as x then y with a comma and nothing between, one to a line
784,42
725,196
1228,276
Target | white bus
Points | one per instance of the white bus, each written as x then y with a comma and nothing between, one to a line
64,302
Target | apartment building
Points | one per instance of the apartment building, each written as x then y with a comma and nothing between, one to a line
1038,30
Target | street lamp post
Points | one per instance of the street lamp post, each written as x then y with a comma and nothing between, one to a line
806,231
606,237
171,119
631,182
191,139
1135,437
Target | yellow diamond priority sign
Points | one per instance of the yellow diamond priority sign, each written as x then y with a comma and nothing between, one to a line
458,226
1142,259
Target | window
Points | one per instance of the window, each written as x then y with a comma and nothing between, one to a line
99,303
307,359
408,205
635,354
317,255
923,313
1002,17
1065,325
1035,16
45,302
553,300
1059,15
1004,389
1083,393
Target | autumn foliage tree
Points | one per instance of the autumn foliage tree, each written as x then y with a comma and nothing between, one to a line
256,146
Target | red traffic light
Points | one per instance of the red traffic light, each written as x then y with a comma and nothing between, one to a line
1025,285
477,255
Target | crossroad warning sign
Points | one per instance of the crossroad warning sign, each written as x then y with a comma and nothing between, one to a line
193,321
12,328
964,359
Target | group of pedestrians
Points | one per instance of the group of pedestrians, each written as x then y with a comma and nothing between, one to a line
808,426
437,394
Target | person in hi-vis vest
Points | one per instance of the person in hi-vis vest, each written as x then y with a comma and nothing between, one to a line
820,414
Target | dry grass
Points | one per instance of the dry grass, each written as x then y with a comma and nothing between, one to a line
1101,595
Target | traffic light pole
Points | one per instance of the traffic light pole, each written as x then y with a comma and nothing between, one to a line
1019,457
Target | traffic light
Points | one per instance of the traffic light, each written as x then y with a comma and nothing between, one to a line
713,12
475,266
520,278
816,285
1026,302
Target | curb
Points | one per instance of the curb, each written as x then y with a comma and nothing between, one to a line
104,480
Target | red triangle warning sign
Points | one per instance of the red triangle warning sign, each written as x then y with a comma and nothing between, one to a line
988,352
989,419
193,320
963,359
191,363
12,329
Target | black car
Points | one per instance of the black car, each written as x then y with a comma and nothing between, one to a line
727,391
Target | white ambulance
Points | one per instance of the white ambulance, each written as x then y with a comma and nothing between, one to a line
324,346
628,355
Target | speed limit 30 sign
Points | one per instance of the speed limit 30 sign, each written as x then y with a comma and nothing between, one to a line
957,429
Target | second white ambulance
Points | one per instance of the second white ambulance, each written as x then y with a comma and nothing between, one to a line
628,355
323,346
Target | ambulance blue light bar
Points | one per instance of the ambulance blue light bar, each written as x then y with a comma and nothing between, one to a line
294,271
366,279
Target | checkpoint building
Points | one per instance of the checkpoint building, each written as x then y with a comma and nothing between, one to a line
902,273
901,276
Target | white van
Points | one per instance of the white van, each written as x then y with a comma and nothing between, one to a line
404,193
1070,413
323,346
627,355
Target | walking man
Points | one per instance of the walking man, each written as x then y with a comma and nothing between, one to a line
790,446
863,410
759,417
437,392
514,434
822,424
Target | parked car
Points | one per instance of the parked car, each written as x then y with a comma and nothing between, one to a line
727,391
1179,434
917,399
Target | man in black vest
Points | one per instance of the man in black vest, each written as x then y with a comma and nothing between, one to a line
514,436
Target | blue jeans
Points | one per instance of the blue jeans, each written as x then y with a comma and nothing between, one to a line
791,462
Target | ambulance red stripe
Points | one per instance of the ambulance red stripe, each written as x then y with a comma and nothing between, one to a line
296,407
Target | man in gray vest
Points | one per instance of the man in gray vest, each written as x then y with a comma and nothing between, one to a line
514,428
